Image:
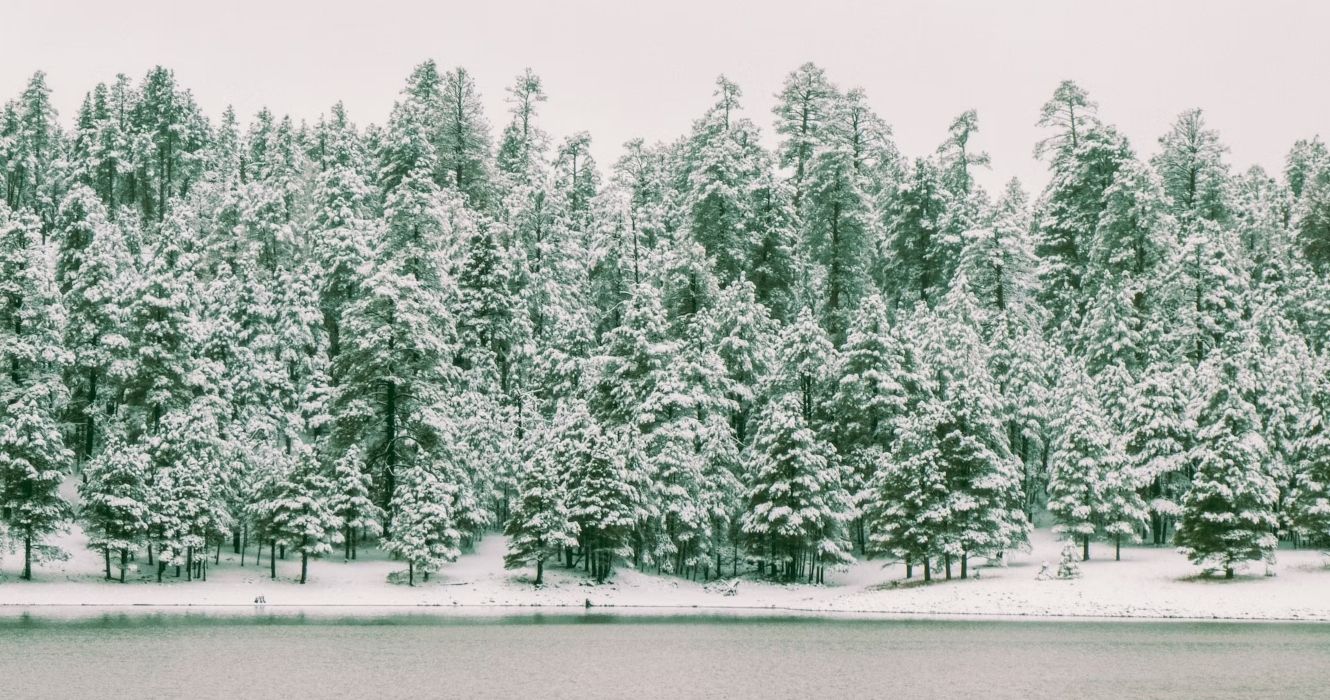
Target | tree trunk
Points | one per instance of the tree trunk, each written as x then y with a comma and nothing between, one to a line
410,573
189,564
928,571
1085,548
106,554
1117,548
965,565
304,566
540,571
1228,572
123,555
272,559
946,564
27,555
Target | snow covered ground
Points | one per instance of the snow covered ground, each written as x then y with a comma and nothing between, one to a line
1148,583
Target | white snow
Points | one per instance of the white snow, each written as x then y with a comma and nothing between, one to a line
1149,582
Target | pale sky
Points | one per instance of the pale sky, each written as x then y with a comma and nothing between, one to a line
1260,70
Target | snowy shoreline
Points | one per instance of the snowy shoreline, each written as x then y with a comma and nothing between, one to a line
1150,583
570,612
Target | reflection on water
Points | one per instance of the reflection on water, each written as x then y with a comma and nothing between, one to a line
375,653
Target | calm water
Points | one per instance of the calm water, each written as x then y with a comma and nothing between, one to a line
596,656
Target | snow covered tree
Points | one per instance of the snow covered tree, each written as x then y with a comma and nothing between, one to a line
840,206
802,110
189,452
423,531
870,396
1155,442
398,335
919,253
541,524
1091,490
1191,165
907,508
33,141
1228,515
98,265
169,134
1310,501
1085,157
33,457
523,144
605,504
115,501
300,517
723,161
464,137
797,506
351,500
158,314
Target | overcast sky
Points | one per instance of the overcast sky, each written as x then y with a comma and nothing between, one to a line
1260,70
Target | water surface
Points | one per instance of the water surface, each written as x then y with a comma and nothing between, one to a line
330,655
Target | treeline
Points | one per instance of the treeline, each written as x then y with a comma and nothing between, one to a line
707,356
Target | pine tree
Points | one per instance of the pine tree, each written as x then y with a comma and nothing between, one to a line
797,507
423,530
351,500
464,138
605,504
301,517
870,396
723,162
1228,515
907,509
169,134
33,457
1091,489
840,209
114,508
541,524
1310,501
95,302
802,110
1155,443
186,500
32,146
1190,163
522,147
920,254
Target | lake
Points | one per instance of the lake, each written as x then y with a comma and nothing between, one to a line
390,655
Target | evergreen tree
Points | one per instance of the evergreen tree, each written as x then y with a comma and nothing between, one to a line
351,500
1091,490
541,524
802,110
33,457
1228,515
1190,163
423,530
300,516
605,505
797,506
1310,502
464,138
1155,441
114,508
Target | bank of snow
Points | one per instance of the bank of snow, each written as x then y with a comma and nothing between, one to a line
1148,583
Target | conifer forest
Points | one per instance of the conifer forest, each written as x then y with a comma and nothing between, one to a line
770,347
